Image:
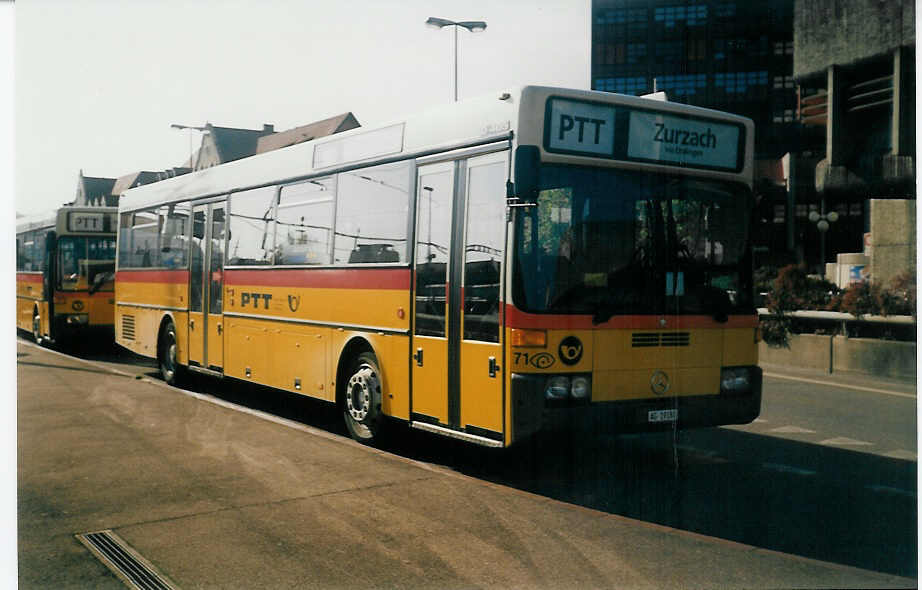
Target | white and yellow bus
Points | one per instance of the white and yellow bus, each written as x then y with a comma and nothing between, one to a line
65,273
474,271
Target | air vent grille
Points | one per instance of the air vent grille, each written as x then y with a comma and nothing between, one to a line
128,327
655,339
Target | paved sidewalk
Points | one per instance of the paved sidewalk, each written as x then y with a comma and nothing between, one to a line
842,378
215,497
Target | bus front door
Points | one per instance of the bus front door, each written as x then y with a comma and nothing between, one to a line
206,287
456,348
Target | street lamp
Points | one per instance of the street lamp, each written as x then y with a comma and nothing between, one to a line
474,26
204,129
429,246
822,221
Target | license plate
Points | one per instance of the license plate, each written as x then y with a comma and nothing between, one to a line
662,415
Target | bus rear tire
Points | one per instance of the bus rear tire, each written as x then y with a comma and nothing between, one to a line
361,401
170,369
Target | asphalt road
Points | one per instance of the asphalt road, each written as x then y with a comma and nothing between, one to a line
828,473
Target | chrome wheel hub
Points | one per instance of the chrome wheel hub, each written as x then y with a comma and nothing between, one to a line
361,392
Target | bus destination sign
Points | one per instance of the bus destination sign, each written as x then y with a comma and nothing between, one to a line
82,221
581,127
694,142
619,132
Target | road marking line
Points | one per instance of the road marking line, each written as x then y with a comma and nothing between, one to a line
792,430
787,469
845,442
890,490
901,454
834,384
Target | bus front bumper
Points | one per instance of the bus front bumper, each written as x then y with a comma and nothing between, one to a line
531,413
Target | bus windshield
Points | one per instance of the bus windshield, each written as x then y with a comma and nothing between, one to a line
86,263
606,242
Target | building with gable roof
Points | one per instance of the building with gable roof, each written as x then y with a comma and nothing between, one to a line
329,126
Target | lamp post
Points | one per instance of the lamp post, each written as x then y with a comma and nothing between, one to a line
822,221
204,129
429,246
474,26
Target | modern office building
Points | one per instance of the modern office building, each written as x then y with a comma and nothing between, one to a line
729,55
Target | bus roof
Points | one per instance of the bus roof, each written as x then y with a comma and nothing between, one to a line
494,117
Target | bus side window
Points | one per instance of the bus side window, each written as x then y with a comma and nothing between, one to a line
252,227
372,211
304,226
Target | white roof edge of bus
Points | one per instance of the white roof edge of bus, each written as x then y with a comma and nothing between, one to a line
456,123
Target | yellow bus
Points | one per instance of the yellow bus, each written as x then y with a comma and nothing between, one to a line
65,273
477,271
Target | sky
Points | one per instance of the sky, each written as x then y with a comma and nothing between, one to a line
99,82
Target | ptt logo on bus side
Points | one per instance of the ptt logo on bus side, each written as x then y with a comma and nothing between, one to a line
254,299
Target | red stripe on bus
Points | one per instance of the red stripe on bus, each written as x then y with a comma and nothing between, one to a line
323,278
25,277
152,276
520,319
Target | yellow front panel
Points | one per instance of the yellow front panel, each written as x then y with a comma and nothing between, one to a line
481,395
636,384
740,347
430,382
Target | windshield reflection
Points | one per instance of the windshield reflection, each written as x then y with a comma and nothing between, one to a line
86,264
607,242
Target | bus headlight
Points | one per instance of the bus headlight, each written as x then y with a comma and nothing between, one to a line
557,388
735,380
580,388
78,319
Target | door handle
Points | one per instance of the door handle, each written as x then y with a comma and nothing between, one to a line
492,367
191,324
418,357
220,329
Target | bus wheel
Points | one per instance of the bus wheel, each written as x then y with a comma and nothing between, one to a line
362,400
166,355
37,327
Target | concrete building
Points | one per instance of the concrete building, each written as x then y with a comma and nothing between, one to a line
854,63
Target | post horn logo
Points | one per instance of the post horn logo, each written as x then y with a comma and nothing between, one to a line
570,350
659,383
77,305
294,302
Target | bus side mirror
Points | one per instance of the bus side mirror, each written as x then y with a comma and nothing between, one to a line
526,172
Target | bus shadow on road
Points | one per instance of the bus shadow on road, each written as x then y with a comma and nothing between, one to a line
820,502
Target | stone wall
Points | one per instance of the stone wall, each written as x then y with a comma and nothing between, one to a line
893,238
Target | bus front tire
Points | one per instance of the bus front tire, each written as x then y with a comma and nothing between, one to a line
166,355
362,400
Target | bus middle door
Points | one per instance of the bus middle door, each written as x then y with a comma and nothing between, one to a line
206,287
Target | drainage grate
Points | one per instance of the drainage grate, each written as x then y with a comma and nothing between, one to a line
124,561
